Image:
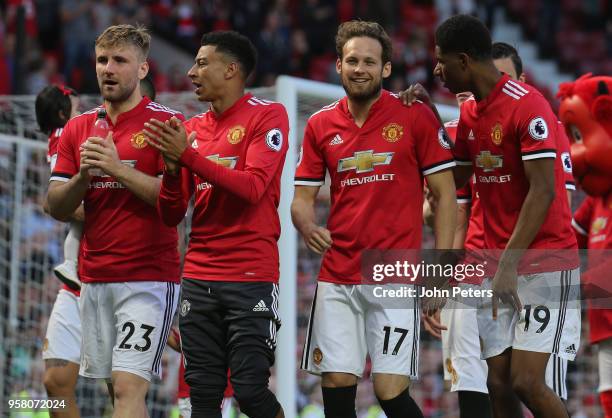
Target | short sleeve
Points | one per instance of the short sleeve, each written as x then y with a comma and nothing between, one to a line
310,169
464,194
461,152
582,218
431,141
67,162
536,127
563,150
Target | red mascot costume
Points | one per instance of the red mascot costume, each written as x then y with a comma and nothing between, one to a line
586,112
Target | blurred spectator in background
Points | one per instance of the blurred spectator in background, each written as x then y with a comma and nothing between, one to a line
273,46
78,37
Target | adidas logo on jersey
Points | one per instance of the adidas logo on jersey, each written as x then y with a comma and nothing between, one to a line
471,135
336,141
261,307
571,349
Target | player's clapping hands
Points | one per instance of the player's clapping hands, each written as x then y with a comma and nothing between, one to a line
170,138
100,153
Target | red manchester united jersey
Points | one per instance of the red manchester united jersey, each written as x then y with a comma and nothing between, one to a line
234,168
52,146
593,220
376,177
123,237
514,124
52,159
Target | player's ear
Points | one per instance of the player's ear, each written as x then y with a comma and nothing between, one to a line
386,72
143,70
338,65
231,70
523,78
464,59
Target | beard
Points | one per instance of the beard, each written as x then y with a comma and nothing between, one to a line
118,93
361,94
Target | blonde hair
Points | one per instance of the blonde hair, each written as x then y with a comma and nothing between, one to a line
117,35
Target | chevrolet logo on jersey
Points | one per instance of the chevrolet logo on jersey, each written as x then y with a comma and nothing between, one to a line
229,162
489,162
364,161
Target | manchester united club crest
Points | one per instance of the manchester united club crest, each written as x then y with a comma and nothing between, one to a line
598,225
235,134
317,356
138,140
392,132
497,134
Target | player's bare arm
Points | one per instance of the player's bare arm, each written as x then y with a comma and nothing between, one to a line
317,238
63,198
463,218
540,175
442,188
102,153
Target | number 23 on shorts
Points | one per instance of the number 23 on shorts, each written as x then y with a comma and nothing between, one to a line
135,336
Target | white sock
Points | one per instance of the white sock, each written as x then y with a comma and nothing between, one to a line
73,242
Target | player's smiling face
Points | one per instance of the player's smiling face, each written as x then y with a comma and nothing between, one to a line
451,69
208,73
119,70
361,68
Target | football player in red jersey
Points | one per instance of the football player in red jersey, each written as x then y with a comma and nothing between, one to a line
128,261
593,226
461,350
377,152
62,347
231,157
507,135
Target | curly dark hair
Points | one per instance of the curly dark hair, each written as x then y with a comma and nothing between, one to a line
53,107
464,34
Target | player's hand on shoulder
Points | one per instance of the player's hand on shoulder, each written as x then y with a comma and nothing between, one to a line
318,239
413,93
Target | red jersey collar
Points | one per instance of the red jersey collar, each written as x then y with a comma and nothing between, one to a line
232,109
377,106
126,115
482,104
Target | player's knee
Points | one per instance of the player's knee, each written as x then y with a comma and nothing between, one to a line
256,400
57,381
390,386
497,384
338,380
129,388
527,385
